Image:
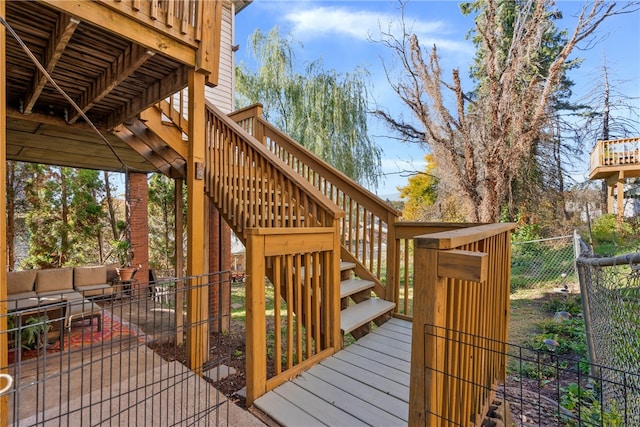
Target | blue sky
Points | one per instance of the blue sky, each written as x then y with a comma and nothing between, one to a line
339,33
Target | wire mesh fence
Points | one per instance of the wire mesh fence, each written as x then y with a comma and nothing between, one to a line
540,386
610,289
116,358
543,262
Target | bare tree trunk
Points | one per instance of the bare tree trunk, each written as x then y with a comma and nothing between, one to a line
110,207
64,235
604,194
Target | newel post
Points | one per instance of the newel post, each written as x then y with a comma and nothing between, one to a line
428,343
256,359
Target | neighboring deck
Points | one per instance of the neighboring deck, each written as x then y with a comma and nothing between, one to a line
367,383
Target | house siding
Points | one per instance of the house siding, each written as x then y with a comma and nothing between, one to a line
222,96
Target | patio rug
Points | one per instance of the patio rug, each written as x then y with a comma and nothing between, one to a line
85,334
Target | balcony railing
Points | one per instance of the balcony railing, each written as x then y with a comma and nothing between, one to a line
615,153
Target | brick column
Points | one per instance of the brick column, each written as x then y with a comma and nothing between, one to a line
138,199
219,260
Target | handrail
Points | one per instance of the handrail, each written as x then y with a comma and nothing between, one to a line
367,228
405,233
461,285
617,152
242,172
306,274
245,177
180,19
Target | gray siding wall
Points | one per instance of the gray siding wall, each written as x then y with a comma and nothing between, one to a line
222,96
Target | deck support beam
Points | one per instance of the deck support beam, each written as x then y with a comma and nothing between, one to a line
4,361
197,243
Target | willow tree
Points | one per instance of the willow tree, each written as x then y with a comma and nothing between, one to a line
325,111
480,137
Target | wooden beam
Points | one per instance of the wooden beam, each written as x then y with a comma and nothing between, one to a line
147,152
463,265
153,94
127,26
66,26
159,145
256,360
126,64
4,349
169,134
197,296
208,56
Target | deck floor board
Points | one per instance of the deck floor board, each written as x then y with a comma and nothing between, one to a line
367,383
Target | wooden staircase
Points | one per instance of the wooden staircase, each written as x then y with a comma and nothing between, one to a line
358,307
254,192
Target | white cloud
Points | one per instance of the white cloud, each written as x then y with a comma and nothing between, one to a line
362,24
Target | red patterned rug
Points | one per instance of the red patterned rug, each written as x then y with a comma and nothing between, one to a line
84,334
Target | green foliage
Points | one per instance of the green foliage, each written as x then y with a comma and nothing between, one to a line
65,216
325,111
570,303
584,403
32,331
611,238
123,252
570,335
420,193
162,222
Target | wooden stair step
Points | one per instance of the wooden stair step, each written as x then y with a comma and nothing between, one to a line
353,286
344,266
357,315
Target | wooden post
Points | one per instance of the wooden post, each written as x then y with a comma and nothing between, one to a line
620,197
336,339
256,323
392,262
179,205
428,345
4,361
197,297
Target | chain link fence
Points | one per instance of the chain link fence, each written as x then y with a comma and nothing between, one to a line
610,289
543,262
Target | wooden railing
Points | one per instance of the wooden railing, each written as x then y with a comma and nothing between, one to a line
619,152
405,233
291,233
304,270
458,351
180,19
251,187
366,230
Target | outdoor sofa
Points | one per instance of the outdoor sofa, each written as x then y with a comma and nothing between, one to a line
74,288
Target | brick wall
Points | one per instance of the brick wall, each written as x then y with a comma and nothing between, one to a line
139,223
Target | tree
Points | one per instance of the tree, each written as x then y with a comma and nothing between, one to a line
483,140
420,194
162,238
64,217
324,111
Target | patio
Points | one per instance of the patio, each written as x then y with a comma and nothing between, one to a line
115,376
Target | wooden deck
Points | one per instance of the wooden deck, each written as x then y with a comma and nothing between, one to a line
366,384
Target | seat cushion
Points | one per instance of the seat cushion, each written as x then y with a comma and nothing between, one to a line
68,295
95,290
94,275
54,280
21,281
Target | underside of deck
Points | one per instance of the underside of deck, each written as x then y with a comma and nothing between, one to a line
365,384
